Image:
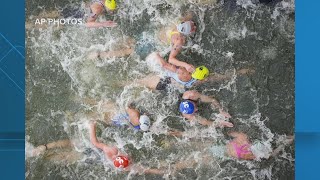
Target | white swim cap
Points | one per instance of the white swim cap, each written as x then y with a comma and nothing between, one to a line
144,123
185,28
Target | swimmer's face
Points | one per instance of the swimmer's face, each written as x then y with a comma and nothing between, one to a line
184,73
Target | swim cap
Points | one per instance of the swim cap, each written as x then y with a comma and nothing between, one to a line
110,4
200,73
185,28
186,107
121,162
144,123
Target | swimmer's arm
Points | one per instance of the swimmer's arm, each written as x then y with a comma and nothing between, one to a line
133,114
203,121
175,50
170,67
166,65
215,104
93,137
92,18
193,95
199,119
173,60
215,77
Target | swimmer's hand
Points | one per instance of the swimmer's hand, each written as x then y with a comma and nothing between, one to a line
224,113
224,124
109,24
190,68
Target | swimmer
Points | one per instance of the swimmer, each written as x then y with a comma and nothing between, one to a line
119,160
110,152
240,146
177,38
188,108
131,118
125,47
180,77
98,7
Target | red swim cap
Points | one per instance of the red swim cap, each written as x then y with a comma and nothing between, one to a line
121,162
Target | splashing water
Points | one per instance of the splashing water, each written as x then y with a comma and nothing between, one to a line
231,35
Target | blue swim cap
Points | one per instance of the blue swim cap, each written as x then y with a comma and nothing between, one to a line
186,107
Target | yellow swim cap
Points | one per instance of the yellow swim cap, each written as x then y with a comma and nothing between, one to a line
110,4
200,73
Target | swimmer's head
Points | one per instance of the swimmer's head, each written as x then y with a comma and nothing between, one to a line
186,107
144,123
200,73
121,162
187,28
110,4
